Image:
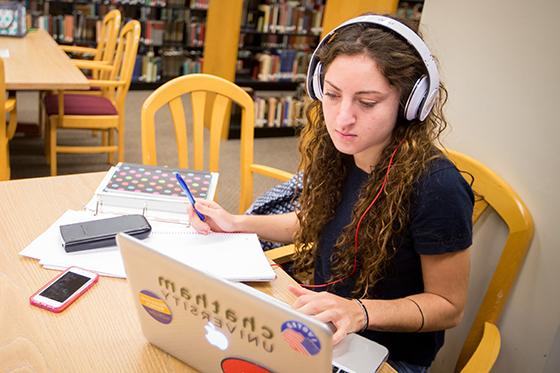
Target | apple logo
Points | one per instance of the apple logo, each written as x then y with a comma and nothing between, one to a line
216,337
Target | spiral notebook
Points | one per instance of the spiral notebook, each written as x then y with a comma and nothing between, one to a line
150,190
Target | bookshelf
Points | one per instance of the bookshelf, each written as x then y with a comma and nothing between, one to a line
227,34
172,37
275,44
234,55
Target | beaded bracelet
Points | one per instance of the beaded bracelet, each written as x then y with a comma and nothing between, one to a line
366,316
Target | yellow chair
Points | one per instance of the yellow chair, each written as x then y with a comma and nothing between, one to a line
7,105
104,51
201,87
482,345
101,57
105,112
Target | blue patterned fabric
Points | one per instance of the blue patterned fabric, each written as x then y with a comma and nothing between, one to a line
280,199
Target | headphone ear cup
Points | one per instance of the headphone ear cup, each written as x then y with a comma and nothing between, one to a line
416,98
317,84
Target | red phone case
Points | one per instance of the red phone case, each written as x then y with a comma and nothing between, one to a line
69,301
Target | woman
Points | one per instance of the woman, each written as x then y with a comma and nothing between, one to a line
385,217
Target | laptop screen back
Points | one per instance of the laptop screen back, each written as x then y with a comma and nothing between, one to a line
218,326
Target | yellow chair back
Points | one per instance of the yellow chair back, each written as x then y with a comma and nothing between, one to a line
125,58
108,36
202,88
104,52
492,191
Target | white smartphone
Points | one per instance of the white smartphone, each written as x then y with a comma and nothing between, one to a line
64,289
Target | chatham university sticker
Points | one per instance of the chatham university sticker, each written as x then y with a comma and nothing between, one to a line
155,306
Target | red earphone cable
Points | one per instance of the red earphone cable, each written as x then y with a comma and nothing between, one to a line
356,240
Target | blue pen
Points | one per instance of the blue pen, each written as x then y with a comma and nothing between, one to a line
188,193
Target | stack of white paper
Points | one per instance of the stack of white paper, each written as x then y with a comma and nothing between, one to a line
233,256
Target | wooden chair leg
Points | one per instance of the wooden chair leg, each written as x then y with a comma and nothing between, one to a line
104,137
52,144
121,138
12,124
47,141
111,155
4,156
42,129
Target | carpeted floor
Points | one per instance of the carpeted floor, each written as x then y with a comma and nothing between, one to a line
27,155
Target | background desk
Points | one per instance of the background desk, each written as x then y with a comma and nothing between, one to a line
36,63
98,333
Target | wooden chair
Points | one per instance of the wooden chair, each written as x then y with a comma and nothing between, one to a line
7,106
101,56
482,345
104,51
105,112
201,87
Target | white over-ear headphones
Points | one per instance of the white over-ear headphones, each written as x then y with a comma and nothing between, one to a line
425,91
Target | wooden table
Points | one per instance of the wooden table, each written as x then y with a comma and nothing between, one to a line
36,63
98,333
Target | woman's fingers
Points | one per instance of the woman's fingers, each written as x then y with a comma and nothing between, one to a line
217,219
207,203
341,325
196,223
325,307
298,291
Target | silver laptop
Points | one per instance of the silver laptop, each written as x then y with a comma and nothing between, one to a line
215,325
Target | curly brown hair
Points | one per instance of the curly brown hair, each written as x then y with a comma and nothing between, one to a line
325,168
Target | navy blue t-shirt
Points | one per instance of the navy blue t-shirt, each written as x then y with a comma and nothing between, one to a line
440,222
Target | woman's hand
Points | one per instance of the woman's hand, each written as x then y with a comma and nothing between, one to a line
217,219
345,314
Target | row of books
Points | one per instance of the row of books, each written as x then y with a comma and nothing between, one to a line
279,112
188,34
79,27
150,68
195,34
193,4
67,28
177,25
164,14
147,68
158,33
287,16
95,9
277,41
286,64
177,62
201,4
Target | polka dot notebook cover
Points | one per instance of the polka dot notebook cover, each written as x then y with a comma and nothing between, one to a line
155,187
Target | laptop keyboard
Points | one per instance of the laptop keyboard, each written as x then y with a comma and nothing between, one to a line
336,369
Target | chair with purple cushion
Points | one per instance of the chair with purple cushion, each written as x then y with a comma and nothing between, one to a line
90,112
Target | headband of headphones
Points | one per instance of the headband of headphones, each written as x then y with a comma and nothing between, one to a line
424,93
